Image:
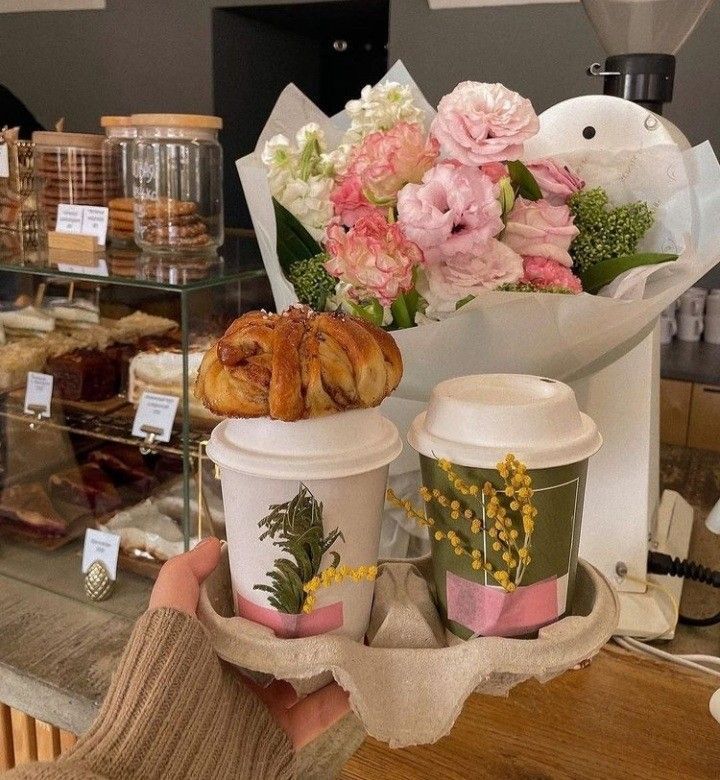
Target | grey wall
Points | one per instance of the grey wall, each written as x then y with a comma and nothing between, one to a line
137,55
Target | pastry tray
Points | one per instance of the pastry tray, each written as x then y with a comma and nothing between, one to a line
407,686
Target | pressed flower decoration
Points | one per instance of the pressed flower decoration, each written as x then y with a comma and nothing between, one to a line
506,514
296,527
407,219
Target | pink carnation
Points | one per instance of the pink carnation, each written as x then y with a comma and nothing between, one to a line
557,182
385,162
484,123
547,273
349,201
374,257
486,266
454,209
535,228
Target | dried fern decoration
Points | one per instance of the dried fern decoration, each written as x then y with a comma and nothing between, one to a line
296,527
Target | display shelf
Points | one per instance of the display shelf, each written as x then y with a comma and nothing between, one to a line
129,267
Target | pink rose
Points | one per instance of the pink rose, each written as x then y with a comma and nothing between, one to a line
495,171
373,256
483,123
535,228
385,162
557,182
488,265
455,208
547,273
349,201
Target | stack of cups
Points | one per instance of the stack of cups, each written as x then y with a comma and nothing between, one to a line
690,319
668,323
712,317
304,502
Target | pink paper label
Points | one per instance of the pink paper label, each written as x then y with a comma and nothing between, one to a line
491,611
319,621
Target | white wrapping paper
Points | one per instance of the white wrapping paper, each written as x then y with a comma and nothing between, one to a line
562,336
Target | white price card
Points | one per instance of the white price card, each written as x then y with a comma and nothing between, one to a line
101,546
4,161
99,269
38,393
69,219
155,415
95,222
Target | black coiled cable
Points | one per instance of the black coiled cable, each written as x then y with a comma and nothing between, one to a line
660,563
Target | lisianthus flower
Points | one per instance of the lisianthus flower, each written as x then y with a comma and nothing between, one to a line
487,265
374,257
495,170
454,209
538,229
481,123
547,273
557,182
386,161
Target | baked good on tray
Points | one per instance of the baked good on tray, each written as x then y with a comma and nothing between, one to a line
28,507
126,465
298,364
84,375
85,486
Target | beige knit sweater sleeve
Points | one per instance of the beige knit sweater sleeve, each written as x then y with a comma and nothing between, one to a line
173,711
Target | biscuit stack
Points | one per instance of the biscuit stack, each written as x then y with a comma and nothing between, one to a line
122,222
70,169
171,223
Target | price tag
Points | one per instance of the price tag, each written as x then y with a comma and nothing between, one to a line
4,161
69,218
100,269
155,416
95,222
101,546
38,394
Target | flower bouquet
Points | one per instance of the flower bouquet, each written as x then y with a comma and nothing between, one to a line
461,221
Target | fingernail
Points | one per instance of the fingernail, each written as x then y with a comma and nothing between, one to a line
204,542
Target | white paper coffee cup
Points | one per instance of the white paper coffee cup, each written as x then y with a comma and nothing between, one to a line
343,461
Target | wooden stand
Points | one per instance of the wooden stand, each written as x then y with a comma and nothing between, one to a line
72,242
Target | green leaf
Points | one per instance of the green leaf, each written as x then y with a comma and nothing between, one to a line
463,301
293,240
401,312
523,181
370,310
604,272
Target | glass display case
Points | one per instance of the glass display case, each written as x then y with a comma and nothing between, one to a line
111,328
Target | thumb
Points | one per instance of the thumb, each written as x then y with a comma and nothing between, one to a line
178,584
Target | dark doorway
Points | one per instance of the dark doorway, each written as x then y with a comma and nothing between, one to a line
330,50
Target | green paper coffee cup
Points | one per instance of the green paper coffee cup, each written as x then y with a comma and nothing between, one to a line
504,543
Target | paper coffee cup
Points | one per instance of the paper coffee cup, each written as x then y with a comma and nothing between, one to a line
277,474
474,422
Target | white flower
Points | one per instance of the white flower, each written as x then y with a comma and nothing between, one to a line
380,108
301,176
309,201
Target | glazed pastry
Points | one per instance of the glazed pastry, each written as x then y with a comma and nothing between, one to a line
29,507
298,364
86,487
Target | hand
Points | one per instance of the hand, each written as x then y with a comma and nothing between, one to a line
178,587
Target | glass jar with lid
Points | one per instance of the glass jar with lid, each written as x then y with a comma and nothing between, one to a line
68,167
177,182
118,177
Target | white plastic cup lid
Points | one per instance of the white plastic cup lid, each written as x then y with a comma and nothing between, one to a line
477,420
337,445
